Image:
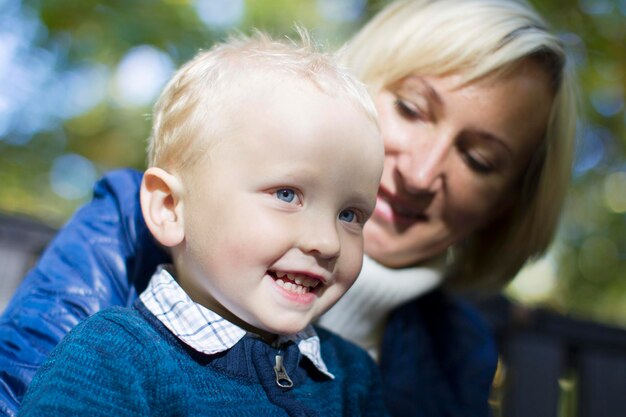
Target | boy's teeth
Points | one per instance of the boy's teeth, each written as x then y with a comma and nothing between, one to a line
299,283
303,280
298,289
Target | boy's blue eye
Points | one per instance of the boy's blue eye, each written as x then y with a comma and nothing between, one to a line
347,216
285,194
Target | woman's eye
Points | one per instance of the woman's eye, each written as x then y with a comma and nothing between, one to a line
478,165
286,194
406,110
348,216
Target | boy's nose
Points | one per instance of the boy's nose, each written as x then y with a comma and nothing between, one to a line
321,239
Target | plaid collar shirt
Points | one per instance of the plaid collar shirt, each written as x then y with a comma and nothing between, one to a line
206,331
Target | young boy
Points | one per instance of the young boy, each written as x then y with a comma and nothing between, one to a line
265,160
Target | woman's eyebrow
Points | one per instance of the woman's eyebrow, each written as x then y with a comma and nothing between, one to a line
425,88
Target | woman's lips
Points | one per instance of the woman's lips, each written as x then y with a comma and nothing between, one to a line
396,212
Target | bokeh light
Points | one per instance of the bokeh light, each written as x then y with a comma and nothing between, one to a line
608,101
598,257
596,7
72,176
576,49
590,148
140,76
26,70
341,10
615,192
536,281
220,14
80,89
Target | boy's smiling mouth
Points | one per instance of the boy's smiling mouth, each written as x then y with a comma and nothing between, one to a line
296,283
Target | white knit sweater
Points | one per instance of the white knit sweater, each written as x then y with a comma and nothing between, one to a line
361,314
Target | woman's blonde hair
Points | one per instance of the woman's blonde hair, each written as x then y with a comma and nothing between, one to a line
482,38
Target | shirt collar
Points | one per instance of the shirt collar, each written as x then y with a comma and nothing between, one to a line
204,330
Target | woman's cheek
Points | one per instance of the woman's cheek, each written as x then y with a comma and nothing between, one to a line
471,206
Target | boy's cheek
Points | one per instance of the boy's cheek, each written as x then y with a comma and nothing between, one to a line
351,258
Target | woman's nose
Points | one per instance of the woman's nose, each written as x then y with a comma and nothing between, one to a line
422,168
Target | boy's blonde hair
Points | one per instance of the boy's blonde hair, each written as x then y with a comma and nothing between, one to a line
482,38
199,103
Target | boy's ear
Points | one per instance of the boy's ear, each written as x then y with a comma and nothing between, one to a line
162,206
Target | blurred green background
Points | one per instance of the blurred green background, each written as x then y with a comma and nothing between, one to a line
78,78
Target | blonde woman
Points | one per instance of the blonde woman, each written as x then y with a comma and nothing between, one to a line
476,109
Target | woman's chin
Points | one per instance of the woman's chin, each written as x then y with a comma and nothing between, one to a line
395,250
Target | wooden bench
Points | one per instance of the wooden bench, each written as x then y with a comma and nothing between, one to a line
551,365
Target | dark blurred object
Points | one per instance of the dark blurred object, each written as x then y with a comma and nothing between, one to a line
555,365
21,242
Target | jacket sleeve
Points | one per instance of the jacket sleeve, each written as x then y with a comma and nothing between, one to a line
102,257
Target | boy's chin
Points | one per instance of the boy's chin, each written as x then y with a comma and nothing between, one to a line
271,333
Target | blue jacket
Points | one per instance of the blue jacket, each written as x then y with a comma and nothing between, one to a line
438,355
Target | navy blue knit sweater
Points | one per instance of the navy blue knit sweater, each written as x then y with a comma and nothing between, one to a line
124,362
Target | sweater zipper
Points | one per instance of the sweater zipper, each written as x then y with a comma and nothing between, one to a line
282,378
